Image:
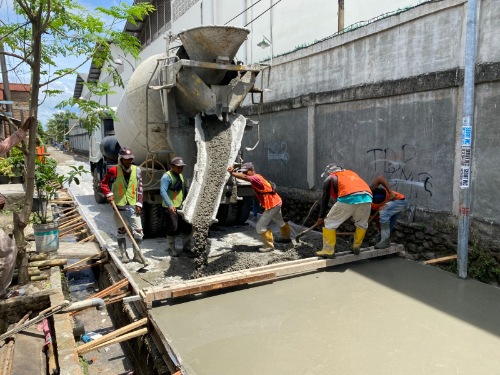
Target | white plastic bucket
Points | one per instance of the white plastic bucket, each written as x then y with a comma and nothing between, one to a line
46,237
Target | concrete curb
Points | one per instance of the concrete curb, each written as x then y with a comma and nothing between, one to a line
67,355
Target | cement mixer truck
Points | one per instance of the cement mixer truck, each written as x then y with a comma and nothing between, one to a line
182,103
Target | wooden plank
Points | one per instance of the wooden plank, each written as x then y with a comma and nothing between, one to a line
268,272
439,260
213,285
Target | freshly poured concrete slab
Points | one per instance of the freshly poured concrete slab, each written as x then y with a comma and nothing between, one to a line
388,316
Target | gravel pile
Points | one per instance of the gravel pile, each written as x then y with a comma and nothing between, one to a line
236,260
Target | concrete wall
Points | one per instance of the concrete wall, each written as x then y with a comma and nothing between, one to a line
387,99
287,24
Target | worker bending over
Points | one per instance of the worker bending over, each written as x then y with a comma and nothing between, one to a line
270,200
126,193
353,198
389,203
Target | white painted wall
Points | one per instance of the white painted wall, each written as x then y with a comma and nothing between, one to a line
289,24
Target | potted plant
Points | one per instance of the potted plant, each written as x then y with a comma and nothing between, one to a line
16,159
47,182
5,171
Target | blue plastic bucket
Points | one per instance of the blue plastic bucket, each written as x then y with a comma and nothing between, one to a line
46,237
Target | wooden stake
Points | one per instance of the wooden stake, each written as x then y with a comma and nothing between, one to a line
128,336
92,344
120,284
67,223
71,230
117,298
84,267
87,239
439,260
83,260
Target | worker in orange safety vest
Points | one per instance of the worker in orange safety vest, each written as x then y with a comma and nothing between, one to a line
270,200
353,199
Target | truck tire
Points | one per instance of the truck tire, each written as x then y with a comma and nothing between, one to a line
98,195
235,214
227,214
243,210
152,220
155,219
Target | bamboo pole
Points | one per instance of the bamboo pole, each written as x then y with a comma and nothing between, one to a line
67,210
128,336
76,224
84,267
103,339
7,358
72,229
84,260
67,223
120,284
38,256
40,277
87,239
117,298
48,263
32,271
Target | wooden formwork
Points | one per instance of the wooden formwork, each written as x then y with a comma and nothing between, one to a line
258,274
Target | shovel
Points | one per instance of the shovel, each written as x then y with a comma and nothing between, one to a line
137,248
297,237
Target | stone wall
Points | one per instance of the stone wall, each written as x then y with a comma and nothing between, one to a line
425,235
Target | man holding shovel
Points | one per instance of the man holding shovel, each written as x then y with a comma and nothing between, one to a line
353,199
126,198
269,199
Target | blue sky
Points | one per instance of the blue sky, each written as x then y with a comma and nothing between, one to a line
66,84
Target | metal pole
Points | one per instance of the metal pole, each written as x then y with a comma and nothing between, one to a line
341,16
467,125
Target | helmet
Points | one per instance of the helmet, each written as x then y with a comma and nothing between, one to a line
330,168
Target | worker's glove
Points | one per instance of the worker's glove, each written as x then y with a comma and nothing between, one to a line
320,221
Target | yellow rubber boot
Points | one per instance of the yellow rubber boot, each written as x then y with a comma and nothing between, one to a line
285,232
359,235
267,239
329,241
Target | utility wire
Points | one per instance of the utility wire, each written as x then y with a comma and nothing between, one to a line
262,13
243,12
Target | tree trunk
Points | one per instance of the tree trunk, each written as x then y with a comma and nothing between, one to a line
21,219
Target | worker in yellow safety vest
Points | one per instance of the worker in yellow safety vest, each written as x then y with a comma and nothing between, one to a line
173,191
126,192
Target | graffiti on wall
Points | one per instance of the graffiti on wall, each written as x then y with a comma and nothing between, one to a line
397,168
277,151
